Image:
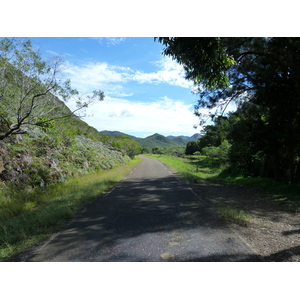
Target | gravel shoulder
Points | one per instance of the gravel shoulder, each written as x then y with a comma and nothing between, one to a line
273,232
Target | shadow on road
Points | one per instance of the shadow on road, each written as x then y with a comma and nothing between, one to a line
150,215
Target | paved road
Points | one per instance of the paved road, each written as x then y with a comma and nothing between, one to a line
149,216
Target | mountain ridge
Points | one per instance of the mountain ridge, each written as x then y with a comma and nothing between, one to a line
185,137
156,139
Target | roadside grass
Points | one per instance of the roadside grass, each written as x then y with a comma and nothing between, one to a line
198,167
286,195
192,168
232,215
27,217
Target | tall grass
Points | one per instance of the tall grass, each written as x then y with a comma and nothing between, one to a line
27,217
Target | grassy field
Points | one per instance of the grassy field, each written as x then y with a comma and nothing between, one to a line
28,217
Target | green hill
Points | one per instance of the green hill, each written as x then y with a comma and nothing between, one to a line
179,140
118,133
158,140
184,138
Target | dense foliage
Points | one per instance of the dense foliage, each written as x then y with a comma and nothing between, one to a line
128,145
262,76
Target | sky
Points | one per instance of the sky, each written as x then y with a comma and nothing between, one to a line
145,91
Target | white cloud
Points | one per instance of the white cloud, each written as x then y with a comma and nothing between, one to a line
92,74
99,75
110,78
170,72
111,41
165,116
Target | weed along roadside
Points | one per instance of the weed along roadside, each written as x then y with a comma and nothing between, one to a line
35,215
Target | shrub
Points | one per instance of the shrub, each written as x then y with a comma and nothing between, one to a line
220,152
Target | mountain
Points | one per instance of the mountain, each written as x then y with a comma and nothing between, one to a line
196,136
118,133
185,138
179,140
156,140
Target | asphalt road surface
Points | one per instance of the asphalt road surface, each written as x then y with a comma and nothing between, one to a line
150,216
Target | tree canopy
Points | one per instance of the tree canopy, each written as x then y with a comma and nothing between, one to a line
204,60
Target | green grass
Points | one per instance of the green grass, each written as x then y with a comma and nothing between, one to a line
27,217
192,168
233,215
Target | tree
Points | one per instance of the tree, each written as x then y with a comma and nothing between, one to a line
227,69
262,76
214,135
220,152
30,89
192,147
158,150
145,150
128,145
204,59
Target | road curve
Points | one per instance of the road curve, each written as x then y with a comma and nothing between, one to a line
152,216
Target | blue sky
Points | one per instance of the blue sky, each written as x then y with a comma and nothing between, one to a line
145,92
